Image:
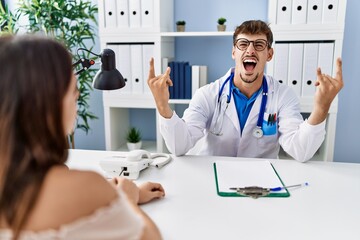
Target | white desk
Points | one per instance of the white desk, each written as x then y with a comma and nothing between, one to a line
328,209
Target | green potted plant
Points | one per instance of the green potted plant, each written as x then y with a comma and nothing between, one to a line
133,138
221,27
70,22
180,26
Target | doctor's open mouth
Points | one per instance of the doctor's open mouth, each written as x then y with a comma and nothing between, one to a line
249,64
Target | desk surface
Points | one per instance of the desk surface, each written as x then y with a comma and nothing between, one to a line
328,209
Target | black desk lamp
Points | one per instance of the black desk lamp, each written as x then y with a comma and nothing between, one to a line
108,77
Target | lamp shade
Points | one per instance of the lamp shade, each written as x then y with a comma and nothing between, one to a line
108,77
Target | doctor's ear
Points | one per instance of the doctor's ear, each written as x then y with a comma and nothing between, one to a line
270,54
233,52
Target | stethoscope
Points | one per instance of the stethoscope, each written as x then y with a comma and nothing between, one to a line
217,126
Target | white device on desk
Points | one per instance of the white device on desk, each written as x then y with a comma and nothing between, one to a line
132,163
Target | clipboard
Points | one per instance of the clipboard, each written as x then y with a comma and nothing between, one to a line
241,174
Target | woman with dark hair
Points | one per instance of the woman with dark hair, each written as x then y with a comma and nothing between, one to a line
40,198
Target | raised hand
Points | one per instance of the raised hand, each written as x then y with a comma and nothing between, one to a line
159,86
327,88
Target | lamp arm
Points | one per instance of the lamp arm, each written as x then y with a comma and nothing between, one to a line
85,63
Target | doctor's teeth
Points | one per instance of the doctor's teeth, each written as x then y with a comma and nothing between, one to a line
249,61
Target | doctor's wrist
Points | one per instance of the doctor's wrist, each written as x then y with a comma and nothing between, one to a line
165,111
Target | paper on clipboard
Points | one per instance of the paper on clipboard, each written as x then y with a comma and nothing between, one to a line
241,174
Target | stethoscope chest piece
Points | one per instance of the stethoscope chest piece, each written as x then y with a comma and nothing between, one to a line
258,132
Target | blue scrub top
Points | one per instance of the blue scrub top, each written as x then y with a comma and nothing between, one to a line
243,104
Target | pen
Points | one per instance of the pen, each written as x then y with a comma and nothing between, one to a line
287,187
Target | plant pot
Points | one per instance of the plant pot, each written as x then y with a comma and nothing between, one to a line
133,146
221,28
180,28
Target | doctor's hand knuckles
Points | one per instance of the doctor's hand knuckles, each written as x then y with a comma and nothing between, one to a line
159,86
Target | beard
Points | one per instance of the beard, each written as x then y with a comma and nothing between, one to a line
247,80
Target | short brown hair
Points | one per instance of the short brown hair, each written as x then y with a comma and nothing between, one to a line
254,27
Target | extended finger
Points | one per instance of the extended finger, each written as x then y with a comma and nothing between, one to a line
318,76
166,77
152,69
338,74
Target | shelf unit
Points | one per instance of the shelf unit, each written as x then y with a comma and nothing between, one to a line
140,22
162,36
323,30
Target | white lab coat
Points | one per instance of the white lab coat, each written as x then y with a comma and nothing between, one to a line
298,138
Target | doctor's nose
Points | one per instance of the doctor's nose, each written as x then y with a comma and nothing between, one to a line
250,49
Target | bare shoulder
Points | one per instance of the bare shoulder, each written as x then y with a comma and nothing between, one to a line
88,186
68,195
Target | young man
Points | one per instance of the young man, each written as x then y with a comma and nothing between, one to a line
246,113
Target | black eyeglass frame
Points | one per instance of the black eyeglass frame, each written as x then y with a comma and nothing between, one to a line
263,41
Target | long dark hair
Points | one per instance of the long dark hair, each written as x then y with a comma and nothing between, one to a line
35,74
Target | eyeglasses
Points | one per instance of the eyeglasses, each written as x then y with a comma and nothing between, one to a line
259,44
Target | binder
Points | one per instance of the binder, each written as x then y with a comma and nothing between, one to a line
110,13
171,88
298,14
203,75
182,80
148,53
283,12
326,56
310,63
281,62
330,11
165,64
240,174
187,81
198,77
295,66
147,13
195,79
134,14
122,8
176,81
123,64
136,69
314,12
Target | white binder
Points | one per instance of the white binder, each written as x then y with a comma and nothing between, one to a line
110,13
124,66
330,11
198,77
195,78
122,14
314,12
136,69
326,56
283,12
298,14
147,13
135,14
148,53
295,66
310,63
281,62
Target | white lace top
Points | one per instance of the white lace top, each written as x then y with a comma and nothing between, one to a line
116,221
